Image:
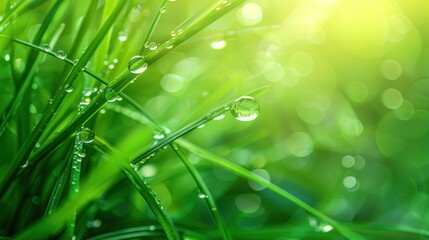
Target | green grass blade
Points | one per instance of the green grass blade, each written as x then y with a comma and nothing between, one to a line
204,193
116,86
52,108
345,231
145,190
192,126
153,25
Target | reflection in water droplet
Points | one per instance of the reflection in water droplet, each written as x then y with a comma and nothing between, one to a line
86,135
137,65
245,108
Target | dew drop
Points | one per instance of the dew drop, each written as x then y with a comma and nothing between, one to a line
25,165
158,136
180,31
7,57
122,37
173,34
61,54
137,65
152,228
46,47
68,88
245,108
111,95
111,66
218,44
319,226
86,135
202,195
201,126
169,46
80,152
153,46
163,10
219,117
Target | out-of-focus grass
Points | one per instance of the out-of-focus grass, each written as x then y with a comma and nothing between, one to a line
344,127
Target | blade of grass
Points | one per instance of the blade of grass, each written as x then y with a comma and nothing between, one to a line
28,146
144,189
153,25
31,65
204,193
192,126
118,84
217,160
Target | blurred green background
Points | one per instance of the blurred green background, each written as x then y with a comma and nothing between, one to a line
344,126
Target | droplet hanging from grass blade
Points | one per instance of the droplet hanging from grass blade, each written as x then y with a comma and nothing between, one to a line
245,109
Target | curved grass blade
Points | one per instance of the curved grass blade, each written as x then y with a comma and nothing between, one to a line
31,65
204,193
192,126
144,189
116,86
153,25
215,159
28,146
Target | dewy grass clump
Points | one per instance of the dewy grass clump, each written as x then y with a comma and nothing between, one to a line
118,121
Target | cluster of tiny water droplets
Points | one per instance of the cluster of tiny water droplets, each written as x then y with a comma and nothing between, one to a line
245,108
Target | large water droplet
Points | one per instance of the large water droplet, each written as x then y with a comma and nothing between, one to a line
245,108
86,135
137,65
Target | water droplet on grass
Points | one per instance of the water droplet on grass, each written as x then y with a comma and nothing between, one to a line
218,44
80,152
137,65
202,195
61,54
122,37
153,46
163,10
152,228
46,47
68,88
158,136
86,135
111,95
245,108
219,117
